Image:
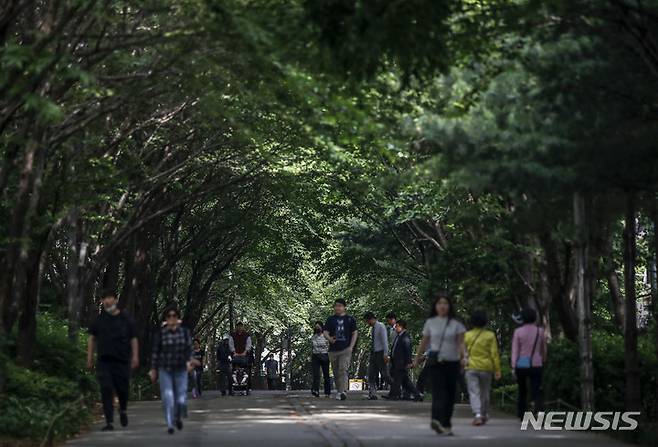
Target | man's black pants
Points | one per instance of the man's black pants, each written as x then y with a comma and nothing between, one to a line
113,377
402,382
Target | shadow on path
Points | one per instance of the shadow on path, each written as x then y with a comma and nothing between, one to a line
297,419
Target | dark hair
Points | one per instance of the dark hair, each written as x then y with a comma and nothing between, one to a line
196,340
369,316
401,323
270,355
239,324
528,315
319,323
479,318
109,292
340,301
171,308
391,316
439,296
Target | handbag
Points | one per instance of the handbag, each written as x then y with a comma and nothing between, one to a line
524,361
433,356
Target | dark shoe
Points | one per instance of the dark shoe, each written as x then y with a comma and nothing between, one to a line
170,431
124,418
373,397
179,424
419,398
343,396
223,393
108,427
315,393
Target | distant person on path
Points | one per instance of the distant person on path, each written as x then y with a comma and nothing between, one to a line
444,335
241,350
528,356
320,361
378,354
271,372
482,363
391,319
197,372
224,376
340,330
171,361
113,334
402,362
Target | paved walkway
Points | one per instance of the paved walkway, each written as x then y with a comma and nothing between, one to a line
297,419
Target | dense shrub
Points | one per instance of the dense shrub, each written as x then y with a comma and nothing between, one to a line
53,398
562,374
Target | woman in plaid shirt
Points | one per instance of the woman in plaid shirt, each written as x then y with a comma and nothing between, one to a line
171,361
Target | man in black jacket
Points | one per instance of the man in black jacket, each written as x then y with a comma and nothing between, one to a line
401,362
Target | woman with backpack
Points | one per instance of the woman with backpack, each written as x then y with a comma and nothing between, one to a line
171,361
528,357
482,363
444,335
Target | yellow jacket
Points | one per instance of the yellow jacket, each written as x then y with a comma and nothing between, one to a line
482,348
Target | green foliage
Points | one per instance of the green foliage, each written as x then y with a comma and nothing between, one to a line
562,373
54,399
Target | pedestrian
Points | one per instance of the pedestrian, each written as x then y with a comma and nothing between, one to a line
241,350
444,335
340,330
482,363
528,357
402,362
171,361
197,372
320,361
378,354
271,372
113,334
224,368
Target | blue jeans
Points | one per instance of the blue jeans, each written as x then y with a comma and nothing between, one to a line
173,392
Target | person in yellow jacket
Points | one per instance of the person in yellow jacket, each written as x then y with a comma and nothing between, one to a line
483,362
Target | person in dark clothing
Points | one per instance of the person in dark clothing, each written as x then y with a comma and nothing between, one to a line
271,372
171,362
224,367
113,334
320,361
401,362
197,372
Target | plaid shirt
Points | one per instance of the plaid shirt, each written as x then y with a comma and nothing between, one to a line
171,349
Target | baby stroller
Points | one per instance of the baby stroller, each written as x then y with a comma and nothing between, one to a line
240,374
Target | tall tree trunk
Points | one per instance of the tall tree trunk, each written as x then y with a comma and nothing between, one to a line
74,297
27,320
289,359
654,273
583,305
633,398
616,296
560,282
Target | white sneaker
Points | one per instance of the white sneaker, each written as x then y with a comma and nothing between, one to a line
338,396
